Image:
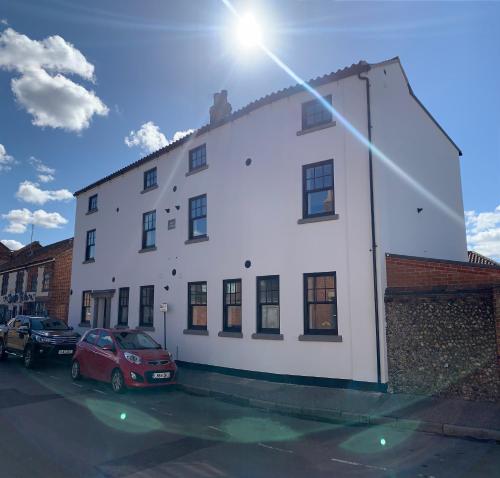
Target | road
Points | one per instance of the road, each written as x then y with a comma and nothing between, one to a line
52,427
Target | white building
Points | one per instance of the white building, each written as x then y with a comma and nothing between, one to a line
265,203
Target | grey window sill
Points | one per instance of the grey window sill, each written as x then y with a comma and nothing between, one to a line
320,338
88,261
309,220
84,324
195,332
196,240
145,328
197,170
91,212
147,249
316,128
152,188
235,335
267,336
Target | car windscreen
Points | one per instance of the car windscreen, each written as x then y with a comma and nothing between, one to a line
48,324
135,341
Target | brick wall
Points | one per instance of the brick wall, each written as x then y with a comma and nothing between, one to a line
60,284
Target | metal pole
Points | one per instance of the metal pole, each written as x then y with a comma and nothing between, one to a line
165,330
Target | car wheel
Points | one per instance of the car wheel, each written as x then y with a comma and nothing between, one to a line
117,381
3,353
29,357
75,370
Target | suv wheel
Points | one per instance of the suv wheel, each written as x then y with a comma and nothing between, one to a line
117,381
75,370
3,353
29,357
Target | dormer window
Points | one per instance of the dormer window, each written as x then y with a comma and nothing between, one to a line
93,203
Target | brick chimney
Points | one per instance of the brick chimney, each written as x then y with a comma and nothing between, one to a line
221,109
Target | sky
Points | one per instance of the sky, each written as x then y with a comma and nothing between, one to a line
89,87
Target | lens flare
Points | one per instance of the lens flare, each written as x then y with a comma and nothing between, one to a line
248,31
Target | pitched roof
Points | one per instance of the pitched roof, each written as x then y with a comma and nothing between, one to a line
476,258
354,69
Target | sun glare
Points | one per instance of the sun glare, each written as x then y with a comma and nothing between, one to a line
248,31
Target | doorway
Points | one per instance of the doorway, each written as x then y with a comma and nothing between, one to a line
102,308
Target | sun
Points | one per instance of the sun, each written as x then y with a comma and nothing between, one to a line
248,31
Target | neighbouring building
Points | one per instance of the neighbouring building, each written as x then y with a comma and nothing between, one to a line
265,231
36,280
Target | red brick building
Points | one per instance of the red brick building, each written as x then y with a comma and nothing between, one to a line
36,280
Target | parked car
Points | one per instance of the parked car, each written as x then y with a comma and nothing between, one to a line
124,358
33,338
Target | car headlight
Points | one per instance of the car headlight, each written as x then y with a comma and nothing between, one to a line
42,339
132,358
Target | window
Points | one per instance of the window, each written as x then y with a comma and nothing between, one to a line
46,281
197,157
314,113
317,189
123,306
148,229
86,313
147,306
268,304
198,216
104,340
91,337
19,282
5,283
90,245
33,279
93,203
197,305
150,178
320,303
232,305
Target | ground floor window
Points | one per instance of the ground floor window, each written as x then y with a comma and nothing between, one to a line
197,305
86,312
232,305
146,316
320,303
268,304
123,306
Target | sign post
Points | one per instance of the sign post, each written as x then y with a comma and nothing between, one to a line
164,308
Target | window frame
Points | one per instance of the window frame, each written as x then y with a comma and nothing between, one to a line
46,278
121,306
305,192
267,330
89,257
19,282
307,329
192,219
192,152
5,283
91,199
309,103
146,178
225,306
83,309
190,306
145,231
142,305
32,280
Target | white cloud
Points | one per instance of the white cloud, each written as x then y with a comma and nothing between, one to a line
21,54
45,178
6,160
149,137
4,21
56,101
30,192
12,244
19,219
483,232
46,174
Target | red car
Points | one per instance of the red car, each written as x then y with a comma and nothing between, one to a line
125,358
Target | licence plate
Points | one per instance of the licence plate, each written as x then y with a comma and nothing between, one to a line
65,352
161,375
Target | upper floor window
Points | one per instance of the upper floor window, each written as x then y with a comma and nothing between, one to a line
198,157
317,189
86,311
147,302
90,245
314,113
148,229
93,203
232,305
123,306
5,283
198,216
150,178
197,305
268,304
46,281
19,282
33,279
320,303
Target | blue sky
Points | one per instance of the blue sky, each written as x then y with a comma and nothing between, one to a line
160,61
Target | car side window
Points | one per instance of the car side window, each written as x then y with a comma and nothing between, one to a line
16,324
91,337
25,322
104,339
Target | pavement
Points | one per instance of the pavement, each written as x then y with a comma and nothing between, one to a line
447,417
51,426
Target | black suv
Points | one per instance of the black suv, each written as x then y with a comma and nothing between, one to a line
34,338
